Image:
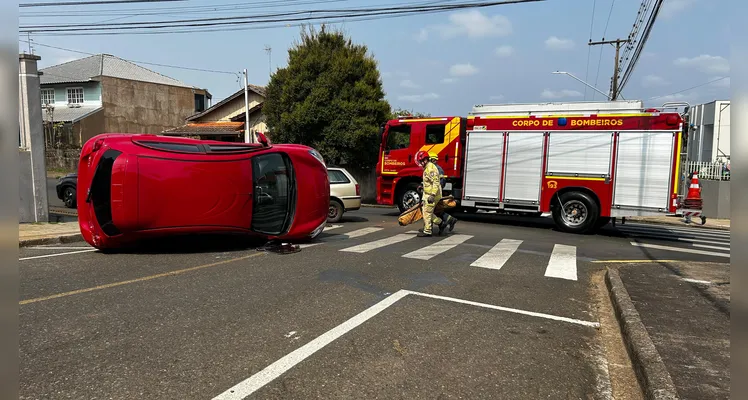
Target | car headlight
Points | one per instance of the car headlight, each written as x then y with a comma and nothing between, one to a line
315,154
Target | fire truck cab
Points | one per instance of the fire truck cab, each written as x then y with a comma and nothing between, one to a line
582,162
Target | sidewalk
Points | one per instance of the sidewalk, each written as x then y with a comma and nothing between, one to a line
48,233
684,309
723,224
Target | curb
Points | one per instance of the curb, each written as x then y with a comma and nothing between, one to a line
650,369
62,239
376,206
676,222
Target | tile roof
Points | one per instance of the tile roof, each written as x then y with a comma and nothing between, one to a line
88,68
206,128
69,114
257,89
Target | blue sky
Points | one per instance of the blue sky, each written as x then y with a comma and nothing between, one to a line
445,63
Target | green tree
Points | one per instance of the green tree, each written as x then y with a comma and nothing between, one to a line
399,112
329,97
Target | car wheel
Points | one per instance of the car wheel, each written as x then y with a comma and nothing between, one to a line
335,213
576,212
408,197
68,197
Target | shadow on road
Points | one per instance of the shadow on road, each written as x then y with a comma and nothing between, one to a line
191,244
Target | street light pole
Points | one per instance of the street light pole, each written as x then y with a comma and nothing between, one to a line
583,82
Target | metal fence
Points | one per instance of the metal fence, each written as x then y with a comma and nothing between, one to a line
713,171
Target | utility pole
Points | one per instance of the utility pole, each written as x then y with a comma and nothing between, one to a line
269,50
617,43
246,109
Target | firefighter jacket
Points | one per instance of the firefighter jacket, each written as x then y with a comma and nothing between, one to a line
431,184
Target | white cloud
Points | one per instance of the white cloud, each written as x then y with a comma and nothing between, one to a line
504,51
386,74
475,24
705,63
407,83
674,97
417,98
550,94
671,8
498,97
449,80
463,70
654,80
422,35
724,83
555,43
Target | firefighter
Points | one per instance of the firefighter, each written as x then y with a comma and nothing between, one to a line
432,192
447,220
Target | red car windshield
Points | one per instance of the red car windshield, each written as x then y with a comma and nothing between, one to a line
274,193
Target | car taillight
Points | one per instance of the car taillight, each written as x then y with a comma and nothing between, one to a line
358,190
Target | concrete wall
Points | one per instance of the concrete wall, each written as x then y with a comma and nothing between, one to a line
25,187
143,107
65,159
368,183
716,196
89,127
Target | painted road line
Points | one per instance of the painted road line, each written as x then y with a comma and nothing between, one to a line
257,381
352,234
498,255
428,252
276,369
363,248
699,232
512,310
680,249
57,248
127,282
676,238
342,236
331,227
697,281
57,254
633,261
563,263
703,246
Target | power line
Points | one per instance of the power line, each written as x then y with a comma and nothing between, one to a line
691,88
589,48
600,58
90,3
642,42
247,20
133,61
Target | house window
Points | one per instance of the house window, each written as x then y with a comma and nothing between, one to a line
75,95
48,96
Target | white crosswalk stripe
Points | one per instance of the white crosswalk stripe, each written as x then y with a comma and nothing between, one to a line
428,252
684,239
498,255
563,263
377,244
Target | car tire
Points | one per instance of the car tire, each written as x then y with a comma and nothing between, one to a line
408,197
335,212
576,212
68,197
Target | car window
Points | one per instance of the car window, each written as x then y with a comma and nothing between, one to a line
398,137
179,147
435,134
274,193
337,176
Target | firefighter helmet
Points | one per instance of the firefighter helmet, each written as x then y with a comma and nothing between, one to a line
421,158
433,156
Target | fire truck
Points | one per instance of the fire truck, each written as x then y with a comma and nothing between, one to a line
582,163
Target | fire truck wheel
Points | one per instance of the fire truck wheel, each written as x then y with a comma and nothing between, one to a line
408,197
576,213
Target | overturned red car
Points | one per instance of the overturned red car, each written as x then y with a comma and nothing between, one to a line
134,187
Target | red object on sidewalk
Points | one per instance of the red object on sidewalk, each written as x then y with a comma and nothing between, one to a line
693,198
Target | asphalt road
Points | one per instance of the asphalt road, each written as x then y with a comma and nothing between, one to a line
501,307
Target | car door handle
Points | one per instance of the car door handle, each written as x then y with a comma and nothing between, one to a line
409,157
446,158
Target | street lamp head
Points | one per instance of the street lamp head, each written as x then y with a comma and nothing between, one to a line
559,72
